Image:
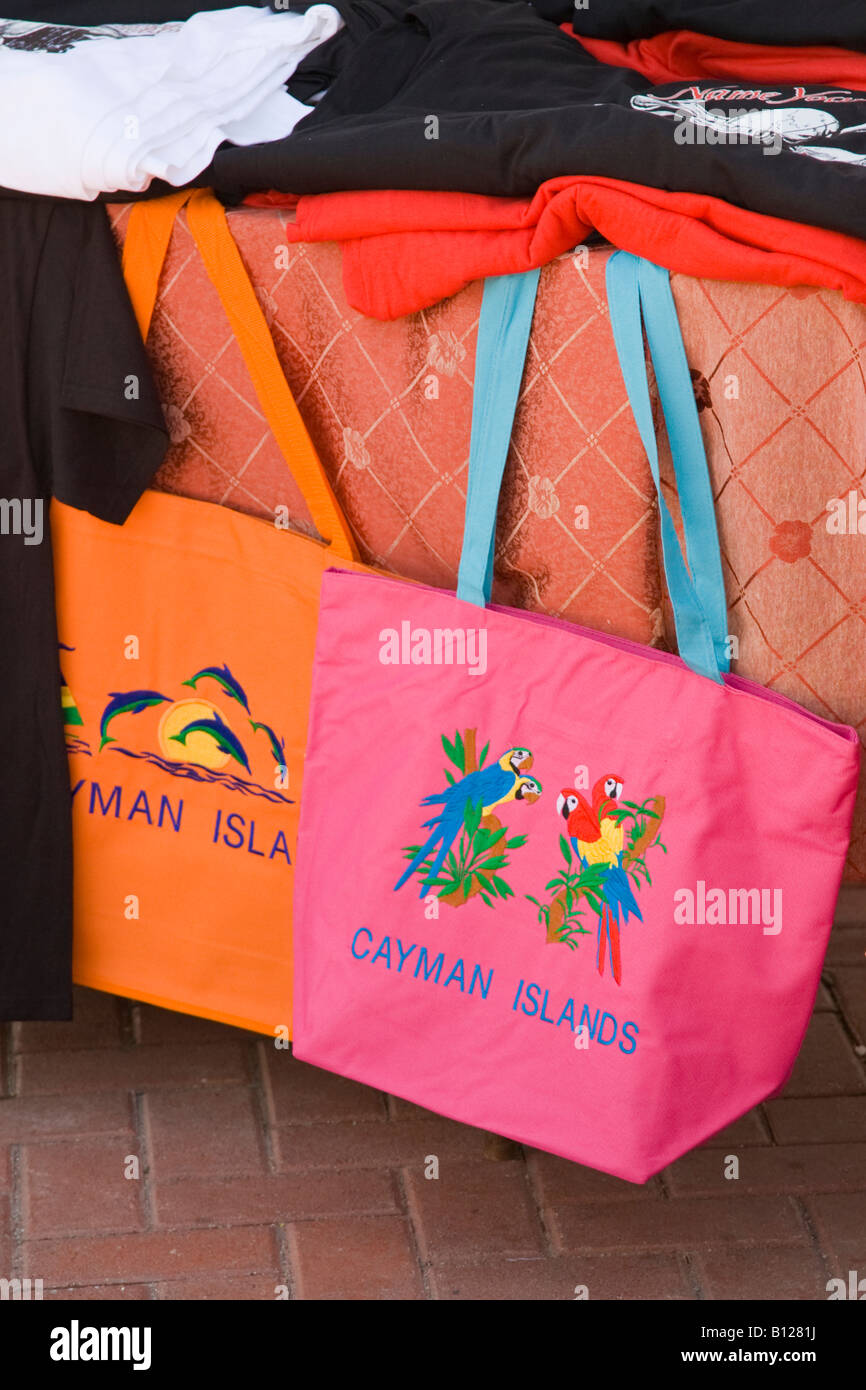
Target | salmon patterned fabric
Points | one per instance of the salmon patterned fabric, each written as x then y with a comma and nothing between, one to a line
780,381
779,378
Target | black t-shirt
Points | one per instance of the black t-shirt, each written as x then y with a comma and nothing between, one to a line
79,420
838,22
488,97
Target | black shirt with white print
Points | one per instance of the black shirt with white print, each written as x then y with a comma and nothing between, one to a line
841,23
74,427
488,97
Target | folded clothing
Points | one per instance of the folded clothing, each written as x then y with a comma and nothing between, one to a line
841,22
70,429
404,251
489,98
89,111
681,53
77,12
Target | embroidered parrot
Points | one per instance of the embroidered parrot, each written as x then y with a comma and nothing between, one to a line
491,786
527,789
597,837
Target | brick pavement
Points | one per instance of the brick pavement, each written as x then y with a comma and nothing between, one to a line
255,1173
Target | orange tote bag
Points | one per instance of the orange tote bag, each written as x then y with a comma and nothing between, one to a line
187,639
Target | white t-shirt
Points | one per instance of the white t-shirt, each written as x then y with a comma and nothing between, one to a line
97,110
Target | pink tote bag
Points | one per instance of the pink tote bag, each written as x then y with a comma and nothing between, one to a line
552,883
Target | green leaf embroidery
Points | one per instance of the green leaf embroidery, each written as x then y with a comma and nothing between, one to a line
472,818
460,750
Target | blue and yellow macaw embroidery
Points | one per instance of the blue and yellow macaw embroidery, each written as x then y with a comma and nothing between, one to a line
467,842
489,787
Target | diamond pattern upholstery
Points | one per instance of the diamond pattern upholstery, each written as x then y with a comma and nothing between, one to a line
779,381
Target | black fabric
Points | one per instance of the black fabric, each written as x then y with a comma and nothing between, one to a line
560,11
360,17
838,22
517,102
80,420
92,12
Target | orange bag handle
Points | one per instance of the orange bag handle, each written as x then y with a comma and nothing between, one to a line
147,237
144,252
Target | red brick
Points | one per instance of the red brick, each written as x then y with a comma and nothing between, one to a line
400,1109
355,1259
644,1277
259,1201
101,1293
826,1065
5,1169
498,1149
818,1120
850,906
205,1132
60,1117
300,1093
151,1256
166,1027
851,987
749,1129
370,1145
79,1187
847,945
840,1221
133,1068
95,1023
824,1000
5,1238
559,1182
232,1288
474,1208
800,1168
5,1053
776,1273
680,1224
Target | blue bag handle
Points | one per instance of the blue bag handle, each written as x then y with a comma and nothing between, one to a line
697,506
500,354
638,289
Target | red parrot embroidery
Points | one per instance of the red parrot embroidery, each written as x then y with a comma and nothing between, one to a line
596,834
